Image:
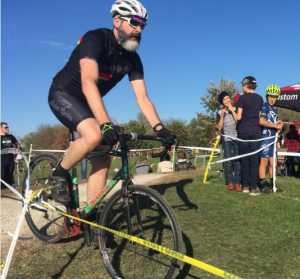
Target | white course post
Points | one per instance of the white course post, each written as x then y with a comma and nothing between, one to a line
274,163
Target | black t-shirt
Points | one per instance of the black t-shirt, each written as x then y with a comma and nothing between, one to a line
251,103
7,141
114,63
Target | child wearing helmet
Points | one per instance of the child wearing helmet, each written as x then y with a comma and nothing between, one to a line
270,124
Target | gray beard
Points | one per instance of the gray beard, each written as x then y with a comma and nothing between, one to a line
126,41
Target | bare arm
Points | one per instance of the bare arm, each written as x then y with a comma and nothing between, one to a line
16,145
264,122
89,80
239,114
144,103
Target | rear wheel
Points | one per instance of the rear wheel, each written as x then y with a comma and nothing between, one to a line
47,225
152,219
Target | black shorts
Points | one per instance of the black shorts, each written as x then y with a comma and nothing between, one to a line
69,109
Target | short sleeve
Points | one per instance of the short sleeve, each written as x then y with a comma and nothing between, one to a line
137,71
264,111
239,103
91,46
13,139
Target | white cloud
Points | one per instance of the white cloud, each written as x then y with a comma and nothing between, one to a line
57,45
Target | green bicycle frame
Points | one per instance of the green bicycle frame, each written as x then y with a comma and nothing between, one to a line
123,173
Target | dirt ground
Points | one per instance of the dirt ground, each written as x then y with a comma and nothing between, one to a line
11,207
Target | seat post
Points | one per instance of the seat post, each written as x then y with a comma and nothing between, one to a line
71,136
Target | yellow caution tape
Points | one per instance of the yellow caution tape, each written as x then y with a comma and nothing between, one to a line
154,246
2,266
209,161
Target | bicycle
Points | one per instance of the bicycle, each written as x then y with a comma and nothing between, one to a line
134,209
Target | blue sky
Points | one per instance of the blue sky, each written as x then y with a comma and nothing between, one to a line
184,46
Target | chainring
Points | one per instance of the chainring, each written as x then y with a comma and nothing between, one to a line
72,226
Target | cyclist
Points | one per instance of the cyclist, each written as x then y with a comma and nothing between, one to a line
100,60
269,122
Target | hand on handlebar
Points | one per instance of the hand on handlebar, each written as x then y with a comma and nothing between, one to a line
169,137
110,133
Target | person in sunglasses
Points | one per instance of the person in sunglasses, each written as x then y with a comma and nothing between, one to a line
101,59
7,160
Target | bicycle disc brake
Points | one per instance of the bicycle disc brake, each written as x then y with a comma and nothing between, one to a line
72,226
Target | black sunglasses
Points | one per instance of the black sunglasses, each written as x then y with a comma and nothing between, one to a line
6,127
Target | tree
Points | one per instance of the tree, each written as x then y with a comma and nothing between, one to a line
141,119
26,141
210,99
287,115
202,130
61,141
43,138
134,127
181,131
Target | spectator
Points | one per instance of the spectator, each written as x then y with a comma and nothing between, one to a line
190,152
249,107
143,167
7,160
36,182
227,121
270,124
291,142
183,164
165,165
83,162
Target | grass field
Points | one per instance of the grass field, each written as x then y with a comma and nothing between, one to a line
251,237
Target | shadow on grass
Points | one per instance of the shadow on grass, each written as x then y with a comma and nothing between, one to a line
184,271
179,185
72,256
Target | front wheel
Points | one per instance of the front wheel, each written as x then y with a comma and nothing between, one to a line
46,225
151,219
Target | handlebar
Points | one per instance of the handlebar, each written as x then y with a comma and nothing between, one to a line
133,136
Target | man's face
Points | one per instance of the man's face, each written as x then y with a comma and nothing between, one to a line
226,101
4,128
271,100
128,36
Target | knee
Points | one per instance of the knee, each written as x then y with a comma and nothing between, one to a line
93,140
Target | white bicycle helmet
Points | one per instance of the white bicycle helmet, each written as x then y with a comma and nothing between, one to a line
129,8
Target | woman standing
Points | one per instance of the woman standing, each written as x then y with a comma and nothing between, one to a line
249,107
